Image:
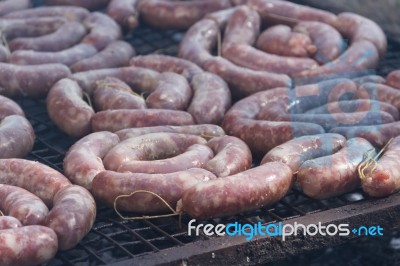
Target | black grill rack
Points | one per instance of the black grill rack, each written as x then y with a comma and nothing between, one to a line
165,240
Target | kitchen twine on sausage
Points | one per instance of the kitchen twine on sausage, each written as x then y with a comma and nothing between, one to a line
100,82
1,213
143,217
369,160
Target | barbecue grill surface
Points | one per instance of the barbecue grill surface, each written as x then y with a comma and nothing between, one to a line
164,241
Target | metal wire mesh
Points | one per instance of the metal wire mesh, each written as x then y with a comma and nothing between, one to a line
112,239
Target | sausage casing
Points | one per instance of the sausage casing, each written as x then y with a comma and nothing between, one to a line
84,159
298,150
335,174
28,245
382,178
245,191
108,185
72,215
23,205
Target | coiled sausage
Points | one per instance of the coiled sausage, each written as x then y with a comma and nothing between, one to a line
84,159
232,156
245,191
72,215
335,174
298,150
204,130
28,245
23,205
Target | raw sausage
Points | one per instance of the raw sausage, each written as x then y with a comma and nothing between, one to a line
23,205
241,32
358,28
284,12
8,222
9,107
380,92
242,81
16,137
166,63
232,156
13,5
172,92
67,35
360,105
112,93
68,110
72,215
102,30
196,47
108,185
114,120
242,27
335,174
245,191
178,15
249,57
72,13
382,178
28,245
124,12
30,27
67,57
369,78
211,99
328,121
83,160
328,42
358,60
116,54
280,40
35,177
261,136
298,150
155,147
205,131
195,156
4,53
198,42
377,135
142,79
290,110
393,79
28,81
221,17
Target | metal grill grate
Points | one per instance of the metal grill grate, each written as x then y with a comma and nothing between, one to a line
113,240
